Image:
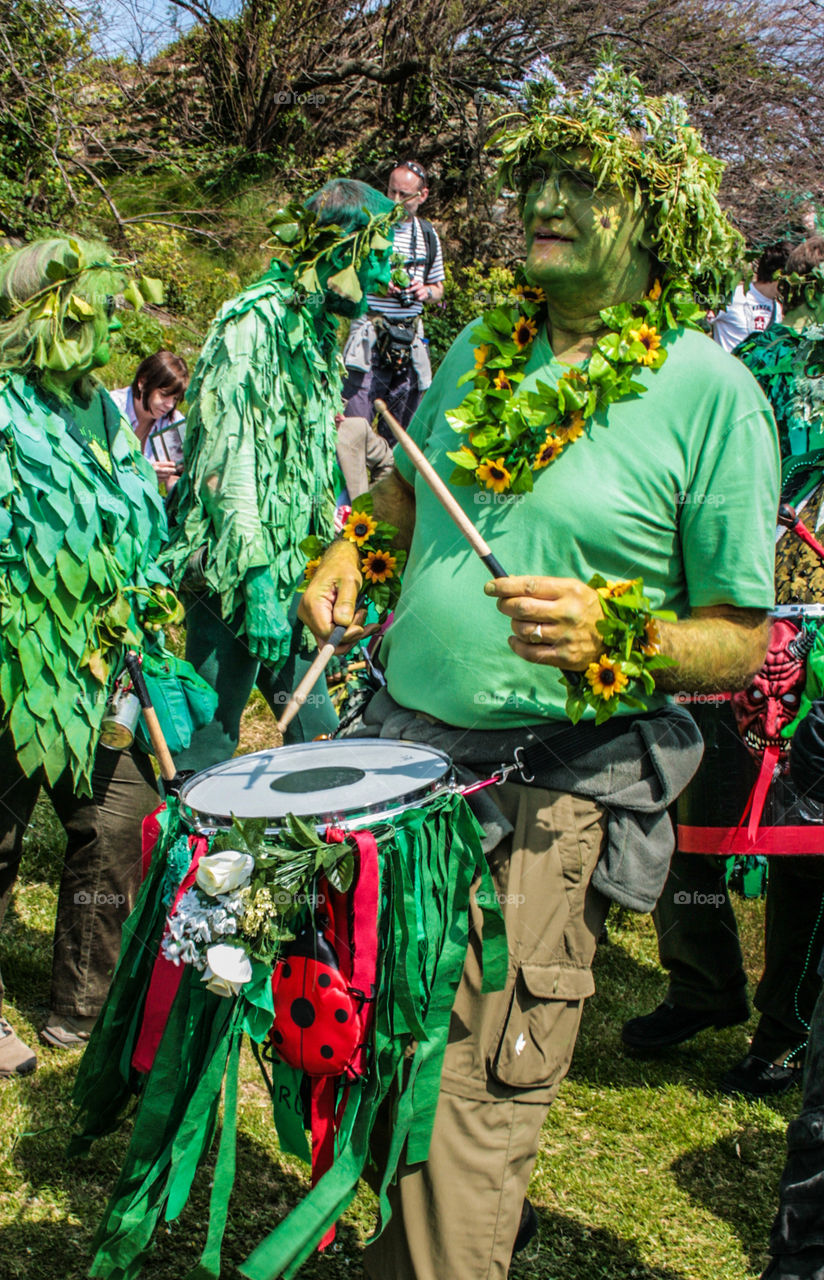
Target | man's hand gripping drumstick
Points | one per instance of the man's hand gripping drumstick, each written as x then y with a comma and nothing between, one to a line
563,635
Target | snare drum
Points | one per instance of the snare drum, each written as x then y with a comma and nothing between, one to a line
349,783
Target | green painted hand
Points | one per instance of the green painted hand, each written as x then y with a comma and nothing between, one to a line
267,629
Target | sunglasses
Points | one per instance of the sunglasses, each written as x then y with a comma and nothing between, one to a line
413,168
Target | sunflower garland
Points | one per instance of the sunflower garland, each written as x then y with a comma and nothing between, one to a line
508,434
629,630
381,562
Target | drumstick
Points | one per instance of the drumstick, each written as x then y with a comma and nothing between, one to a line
436,484
788,517
321,660
164,756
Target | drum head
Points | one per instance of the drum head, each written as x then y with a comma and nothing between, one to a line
340,782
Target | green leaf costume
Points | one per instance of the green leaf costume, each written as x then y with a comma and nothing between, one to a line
788,365
260,441
75,538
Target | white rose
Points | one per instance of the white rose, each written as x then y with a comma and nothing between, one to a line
227,969
223,872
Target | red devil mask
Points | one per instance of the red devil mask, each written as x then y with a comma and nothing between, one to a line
772,700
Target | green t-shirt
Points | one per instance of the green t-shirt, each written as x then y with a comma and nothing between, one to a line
678,486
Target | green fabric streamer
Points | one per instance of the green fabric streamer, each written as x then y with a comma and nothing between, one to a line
106,1084
260,441
428,864
74,539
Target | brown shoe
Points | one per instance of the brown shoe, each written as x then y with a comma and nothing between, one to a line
63,1032
16,1058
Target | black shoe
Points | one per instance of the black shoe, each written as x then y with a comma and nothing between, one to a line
528,1228
671,1024
757,1078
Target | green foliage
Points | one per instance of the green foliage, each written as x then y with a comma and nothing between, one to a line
44,42
468,291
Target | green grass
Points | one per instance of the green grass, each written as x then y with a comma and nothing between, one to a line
646,1172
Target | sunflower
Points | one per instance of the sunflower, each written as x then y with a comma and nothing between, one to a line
529,293
359,527
573,429
379,566
614,589
655,292
548,452
481,355
524,332
502,382
573,375
606,677
311,566
650,338
494,475
652,638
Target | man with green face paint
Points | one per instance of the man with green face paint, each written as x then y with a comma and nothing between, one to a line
259,453
80,522
603,434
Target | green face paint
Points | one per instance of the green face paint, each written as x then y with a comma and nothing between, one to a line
584,246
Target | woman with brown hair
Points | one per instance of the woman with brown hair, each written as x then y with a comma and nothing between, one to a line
150,405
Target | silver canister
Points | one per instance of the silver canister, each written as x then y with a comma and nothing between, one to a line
122,714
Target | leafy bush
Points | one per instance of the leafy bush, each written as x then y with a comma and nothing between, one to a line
468,292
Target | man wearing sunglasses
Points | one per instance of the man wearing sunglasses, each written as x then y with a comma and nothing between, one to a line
386,354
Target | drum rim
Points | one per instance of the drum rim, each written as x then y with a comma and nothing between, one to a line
201,822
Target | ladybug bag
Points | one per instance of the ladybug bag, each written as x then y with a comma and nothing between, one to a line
323,990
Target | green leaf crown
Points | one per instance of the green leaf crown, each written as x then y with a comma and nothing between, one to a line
645,147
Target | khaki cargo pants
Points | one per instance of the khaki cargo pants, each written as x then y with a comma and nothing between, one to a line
456,1216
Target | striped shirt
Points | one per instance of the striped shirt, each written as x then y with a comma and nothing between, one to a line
411,245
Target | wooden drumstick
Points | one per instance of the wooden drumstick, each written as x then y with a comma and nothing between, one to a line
168,772
436,484
319,664
304,688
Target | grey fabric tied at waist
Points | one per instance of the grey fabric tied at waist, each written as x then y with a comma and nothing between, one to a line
634,766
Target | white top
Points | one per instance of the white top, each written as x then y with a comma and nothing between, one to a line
410,243
164,442
748,312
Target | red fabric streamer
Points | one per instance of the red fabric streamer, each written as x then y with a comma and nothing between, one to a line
166,978
149,836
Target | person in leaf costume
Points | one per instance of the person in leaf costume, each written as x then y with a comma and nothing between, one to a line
695,920
259,455
594,436
81,521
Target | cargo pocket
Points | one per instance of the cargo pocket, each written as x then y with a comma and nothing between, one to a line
535,1046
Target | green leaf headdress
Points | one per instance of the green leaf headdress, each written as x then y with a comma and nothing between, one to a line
645,147
337,227
51,291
